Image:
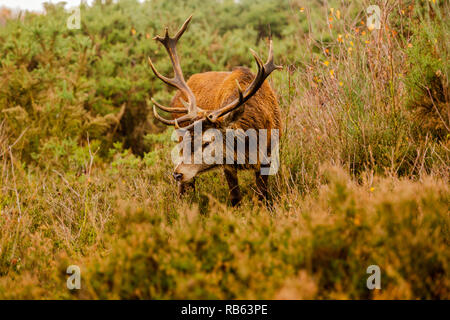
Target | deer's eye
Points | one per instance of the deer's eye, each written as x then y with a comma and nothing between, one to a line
207,143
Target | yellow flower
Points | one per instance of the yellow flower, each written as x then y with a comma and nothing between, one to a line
341,83
338,14
332,73
367,42
351,43
326,62
133,31
340,38
302,9
372,189
356,221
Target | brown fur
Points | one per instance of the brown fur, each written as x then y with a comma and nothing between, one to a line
214,90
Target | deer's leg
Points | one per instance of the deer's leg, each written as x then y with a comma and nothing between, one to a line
232,179
184,187
261,185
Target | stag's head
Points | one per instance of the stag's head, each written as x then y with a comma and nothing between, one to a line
194,123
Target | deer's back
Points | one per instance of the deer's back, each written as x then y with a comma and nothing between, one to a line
213,90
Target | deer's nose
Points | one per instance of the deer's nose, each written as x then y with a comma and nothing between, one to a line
177,176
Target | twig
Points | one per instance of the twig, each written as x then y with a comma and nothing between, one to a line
67,182
15,142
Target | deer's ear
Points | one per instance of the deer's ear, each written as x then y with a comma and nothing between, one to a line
233,116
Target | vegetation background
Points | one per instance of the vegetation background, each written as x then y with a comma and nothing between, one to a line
364,177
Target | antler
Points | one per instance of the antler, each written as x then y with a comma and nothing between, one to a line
264,70
195,113
177,81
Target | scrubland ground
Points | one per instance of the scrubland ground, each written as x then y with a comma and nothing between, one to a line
85,172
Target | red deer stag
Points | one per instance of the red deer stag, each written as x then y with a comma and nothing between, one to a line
236,101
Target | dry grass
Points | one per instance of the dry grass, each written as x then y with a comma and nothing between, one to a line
362,182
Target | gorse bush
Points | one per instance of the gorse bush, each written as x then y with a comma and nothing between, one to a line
85,172
427,80
66,85
96,80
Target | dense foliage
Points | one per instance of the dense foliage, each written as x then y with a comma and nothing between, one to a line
85,175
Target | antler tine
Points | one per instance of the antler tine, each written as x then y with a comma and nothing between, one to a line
159,75
264,70
173,110
270,65
165,121
191,125
176,122
183,28
240,93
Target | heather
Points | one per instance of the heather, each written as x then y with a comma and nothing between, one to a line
85,170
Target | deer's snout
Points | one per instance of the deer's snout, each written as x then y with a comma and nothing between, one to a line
177,176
